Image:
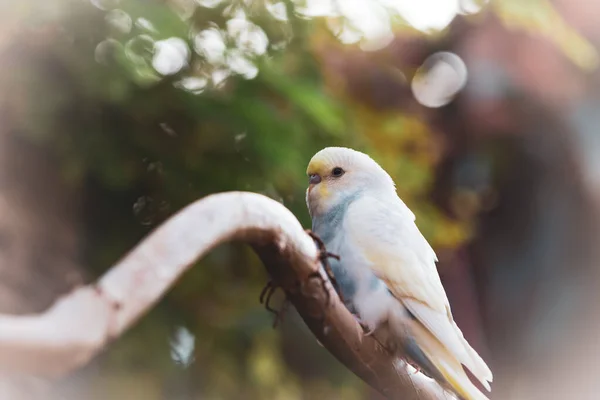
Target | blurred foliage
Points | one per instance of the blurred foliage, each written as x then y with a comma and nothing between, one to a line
150,105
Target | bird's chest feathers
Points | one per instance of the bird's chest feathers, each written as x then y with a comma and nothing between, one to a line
352,271
328,225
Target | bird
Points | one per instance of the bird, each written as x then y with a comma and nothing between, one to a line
386,271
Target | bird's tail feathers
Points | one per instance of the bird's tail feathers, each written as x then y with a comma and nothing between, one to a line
447,365
478,366
424,349
459,381
448,335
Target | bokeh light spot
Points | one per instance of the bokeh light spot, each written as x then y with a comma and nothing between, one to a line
439,79
210,44
119,21
170,56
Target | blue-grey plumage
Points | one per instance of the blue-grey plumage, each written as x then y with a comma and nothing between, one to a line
386,271
328,227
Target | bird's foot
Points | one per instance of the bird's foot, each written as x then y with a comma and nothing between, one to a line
323,253
265,298
324,257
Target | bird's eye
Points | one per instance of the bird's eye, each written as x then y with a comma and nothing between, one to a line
337,172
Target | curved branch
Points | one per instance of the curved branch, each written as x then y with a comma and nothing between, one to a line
80,324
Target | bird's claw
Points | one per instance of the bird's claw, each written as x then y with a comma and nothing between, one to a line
324,257
266,294
270,288
265,298
323,253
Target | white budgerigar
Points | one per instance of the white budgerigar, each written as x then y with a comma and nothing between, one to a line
386,271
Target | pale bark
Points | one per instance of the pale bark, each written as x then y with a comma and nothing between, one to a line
80,324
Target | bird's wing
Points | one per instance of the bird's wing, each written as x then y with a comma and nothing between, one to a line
404,260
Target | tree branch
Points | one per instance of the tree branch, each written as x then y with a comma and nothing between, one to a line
80,324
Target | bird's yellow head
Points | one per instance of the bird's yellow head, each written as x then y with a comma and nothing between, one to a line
338,174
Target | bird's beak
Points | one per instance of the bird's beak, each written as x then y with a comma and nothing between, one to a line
314,179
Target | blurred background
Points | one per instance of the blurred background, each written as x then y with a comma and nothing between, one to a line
114,114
